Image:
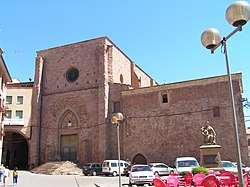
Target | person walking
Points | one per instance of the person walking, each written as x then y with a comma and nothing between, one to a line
15,175
6,175
1,172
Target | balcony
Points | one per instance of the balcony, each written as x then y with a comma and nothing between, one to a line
9,121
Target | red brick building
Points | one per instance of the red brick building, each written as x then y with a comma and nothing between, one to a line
78,86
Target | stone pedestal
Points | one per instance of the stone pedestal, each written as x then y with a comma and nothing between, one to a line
210,156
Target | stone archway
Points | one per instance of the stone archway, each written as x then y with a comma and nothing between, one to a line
15,151
139,159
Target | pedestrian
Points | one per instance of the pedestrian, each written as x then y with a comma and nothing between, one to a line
15,175
6,175
1,172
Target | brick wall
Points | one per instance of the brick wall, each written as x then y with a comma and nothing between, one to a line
163,131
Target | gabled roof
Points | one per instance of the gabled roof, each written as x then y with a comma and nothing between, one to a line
4,68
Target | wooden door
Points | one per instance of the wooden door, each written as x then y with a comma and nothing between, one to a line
69,147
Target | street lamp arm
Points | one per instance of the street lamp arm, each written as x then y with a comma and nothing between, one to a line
239,28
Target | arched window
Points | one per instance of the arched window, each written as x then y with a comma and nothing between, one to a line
121,78
164,98
68,119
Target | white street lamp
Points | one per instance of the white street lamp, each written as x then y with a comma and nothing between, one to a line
116,120
237,15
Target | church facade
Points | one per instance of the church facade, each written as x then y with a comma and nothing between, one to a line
77,88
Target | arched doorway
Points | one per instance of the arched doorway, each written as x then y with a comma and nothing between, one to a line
15,151
68,137
139,159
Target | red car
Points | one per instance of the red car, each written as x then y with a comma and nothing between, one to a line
127,170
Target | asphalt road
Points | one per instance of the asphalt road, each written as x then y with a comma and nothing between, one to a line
27,179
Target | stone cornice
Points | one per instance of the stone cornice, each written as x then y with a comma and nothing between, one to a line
204,81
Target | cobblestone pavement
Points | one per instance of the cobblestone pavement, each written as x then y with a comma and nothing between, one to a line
27,179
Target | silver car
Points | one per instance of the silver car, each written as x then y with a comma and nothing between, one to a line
229,166
161,168
247,169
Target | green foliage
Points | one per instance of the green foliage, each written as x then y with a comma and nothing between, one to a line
183,173
200,169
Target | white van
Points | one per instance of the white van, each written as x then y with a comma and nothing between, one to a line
110,167
183,164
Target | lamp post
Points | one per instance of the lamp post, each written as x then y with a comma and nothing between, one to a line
116,120
237,14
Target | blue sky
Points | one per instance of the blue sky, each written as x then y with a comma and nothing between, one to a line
162,37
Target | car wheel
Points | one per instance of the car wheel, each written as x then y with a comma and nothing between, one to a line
114,173
130,184
94,173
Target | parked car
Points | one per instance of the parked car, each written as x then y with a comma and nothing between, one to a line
92,169
229,166
127,170
110,167
141,174
161,168
247,169
185,164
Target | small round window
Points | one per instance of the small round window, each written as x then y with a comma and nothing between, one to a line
72,74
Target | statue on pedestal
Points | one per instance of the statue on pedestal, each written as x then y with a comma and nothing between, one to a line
209,134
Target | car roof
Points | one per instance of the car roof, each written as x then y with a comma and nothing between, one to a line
185,158
140,165
114,161
156,163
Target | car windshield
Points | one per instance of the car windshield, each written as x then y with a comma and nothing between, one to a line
140,168
86,165
242,165
187,163
228,165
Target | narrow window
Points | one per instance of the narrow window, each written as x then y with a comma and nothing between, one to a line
19,114
121,78
164,98
19,100
8,114
8,99
216,111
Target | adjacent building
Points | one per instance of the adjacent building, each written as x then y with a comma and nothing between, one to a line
248,140
4,78
17,123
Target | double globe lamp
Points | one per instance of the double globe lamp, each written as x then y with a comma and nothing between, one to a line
237,14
